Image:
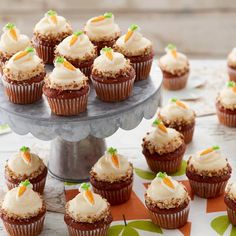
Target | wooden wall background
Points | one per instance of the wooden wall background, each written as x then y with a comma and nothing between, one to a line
200,28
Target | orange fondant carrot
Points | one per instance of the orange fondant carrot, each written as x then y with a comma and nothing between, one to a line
53,16
75,36
160,125
65,63
21,54
22,187
88,193
25,151
130,32
108,52
166,180
102,17
12,30
114,158
208,150
179,103
172,49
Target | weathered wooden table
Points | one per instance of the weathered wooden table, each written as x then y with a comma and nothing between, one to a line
208,132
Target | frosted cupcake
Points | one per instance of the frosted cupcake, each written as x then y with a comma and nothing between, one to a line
226,105
26,165
138,50
177,115
102,30
66,89
112,177
112,76
11,42
48,33
175,68
167,201
231,65
230,201
79,51
163,148
87,214
23,211
23,77
208,172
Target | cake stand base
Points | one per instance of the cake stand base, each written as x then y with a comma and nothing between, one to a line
72,161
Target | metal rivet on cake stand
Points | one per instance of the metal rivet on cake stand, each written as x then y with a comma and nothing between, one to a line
78,141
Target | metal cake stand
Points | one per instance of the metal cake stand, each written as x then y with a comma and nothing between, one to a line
78,141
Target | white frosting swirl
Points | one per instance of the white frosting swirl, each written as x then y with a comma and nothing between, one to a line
227,97
232,58
212,161
172,64
174,112
79,49
47,27
104,64
135,45
66,79
105,28
27,204
80,209
17,164
106,170
158,191
11,46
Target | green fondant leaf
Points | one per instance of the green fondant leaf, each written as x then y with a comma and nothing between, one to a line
182,170
146,226
220,224
145,174
115,230
128,231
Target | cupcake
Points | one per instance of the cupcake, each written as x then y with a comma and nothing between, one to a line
230,201
226,105
138,50
112,76
88,214
167,202
11,42
231,65
23,77
175,68
48,33
23,211
78,50
208,172
102,30
163,148
66,89
26,165
112,177
177,115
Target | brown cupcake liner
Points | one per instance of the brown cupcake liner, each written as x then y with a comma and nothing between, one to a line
113,92
30,229
46,53
86,71
208,190
175,83
188,134
232,74
1,68
170,220
68,107
93,232
23,93
117,196
231,215
38,187
168,166
142,69
226,118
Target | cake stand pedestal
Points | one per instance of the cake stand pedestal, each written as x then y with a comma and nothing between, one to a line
78,141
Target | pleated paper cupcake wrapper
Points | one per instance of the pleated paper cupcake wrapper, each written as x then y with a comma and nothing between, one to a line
38,187
46,53
113,92
169,167
115,197
23,93
96,232
232,74
172,220
225,118
68,107
86,71
1,68
30,229
142,69
175,83
188,135
232,215
208,190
